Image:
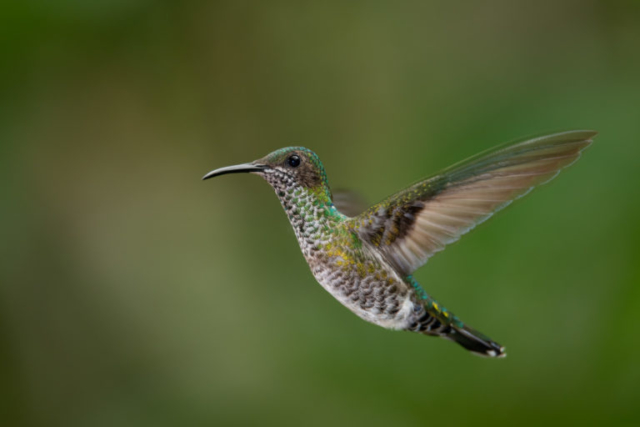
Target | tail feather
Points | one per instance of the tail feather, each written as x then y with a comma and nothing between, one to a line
475,342
433,319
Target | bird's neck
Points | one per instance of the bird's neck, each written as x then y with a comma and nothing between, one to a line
310,211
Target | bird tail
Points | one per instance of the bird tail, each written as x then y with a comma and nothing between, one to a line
474,341
435,320
438,321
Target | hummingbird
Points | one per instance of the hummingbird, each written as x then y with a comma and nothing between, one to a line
366,261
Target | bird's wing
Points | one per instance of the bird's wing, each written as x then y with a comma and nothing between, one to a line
349,202
412,225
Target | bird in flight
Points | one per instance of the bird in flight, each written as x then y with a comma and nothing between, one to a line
366,261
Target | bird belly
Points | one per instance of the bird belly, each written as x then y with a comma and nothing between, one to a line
384,301
355,274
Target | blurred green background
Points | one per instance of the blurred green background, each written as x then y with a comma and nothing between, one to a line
133,294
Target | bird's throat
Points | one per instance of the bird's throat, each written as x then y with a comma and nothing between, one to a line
311,213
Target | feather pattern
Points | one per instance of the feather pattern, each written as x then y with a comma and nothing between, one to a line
412,225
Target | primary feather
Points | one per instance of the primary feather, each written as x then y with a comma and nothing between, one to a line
412,225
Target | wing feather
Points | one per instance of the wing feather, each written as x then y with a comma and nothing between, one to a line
411,226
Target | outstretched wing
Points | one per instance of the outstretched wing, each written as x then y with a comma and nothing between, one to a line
412,225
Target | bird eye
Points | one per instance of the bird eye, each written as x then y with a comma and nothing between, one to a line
294,161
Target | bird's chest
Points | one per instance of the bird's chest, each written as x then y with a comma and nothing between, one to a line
354,274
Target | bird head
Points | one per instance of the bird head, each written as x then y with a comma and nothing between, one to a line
291,167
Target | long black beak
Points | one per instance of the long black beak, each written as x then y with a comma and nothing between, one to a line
244,168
